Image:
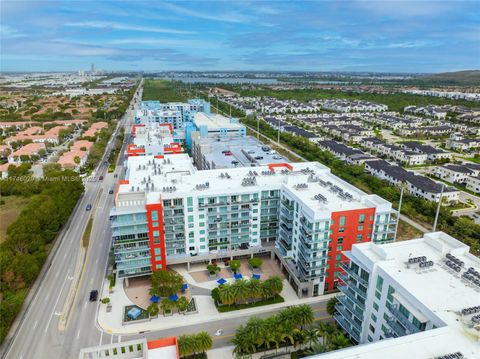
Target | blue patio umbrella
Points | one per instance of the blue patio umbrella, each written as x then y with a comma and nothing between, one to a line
221,281
184,286
256,276
238,276
154,299
173,297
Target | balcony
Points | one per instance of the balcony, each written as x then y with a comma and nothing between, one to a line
348,317
351,295
396,328
117,223
353,274
287,205
346,326
353,287
403,319
356,312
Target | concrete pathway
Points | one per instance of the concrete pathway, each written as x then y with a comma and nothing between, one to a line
414,224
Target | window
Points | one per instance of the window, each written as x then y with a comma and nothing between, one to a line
360,228
339,248
158,266
156,241
341,230
361,219
404,311
370,339
372,329
379,283
340,240
189,201
390,293
342,221
157,251
338,257
154,215
378,295
359,237
156,234
374,317
158,258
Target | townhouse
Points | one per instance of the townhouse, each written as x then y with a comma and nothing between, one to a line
350,155
457,142
457,173
473,183
76,156
433,154
416,185
26,152
168,212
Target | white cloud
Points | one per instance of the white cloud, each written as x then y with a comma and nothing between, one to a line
169,42
8,32
118,26
233,17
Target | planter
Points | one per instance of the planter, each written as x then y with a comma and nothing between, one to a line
168,314
212,275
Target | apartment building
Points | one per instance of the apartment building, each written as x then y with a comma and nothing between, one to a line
173,113
410,299
167,212
153,139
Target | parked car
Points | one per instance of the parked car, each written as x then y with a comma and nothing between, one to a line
89,207
115,175
111,191
100,178
277,157
266,148
93,295
259,158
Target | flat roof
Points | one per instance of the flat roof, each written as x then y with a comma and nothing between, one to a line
215,121
308,182
441,290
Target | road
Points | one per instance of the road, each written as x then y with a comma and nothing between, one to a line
37,334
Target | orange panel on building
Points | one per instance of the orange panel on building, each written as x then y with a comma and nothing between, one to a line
156,236
347,235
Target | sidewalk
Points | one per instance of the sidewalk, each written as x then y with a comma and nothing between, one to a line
207,312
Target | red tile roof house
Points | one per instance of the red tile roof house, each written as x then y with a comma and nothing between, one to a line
96,127
4,169
28,150
79,149
31,133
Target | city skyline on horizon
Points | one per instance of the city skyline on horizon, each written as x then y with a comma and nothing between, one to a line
353,36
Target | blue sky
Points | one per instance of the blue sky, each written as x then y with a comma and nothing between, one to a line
383,36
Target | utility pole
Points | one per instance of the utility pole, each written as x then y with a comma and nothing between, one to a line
258,128
399,212
438,209
278,132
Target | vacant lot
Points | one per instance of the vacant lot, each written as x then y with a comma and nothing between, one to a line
406,231
161,90
9,212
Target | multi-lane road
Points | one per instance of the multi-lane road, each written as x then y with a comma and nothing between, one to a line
37,333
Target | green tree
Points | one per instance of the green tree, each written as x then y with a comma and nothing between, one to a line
274,284
203,341
153,309
182,304
226,294
235,265
255,262
213,268
339,341
165,283
167,305
331,305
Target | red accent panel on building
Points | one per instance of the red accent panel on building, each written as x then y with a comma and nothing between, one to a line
156,225
133,150
161,157
134,129
162,343
173,148
350,231
277,165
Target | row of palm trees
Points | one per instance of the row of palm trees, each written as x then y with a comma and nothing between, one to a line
246,291
324,338
190,345
284,328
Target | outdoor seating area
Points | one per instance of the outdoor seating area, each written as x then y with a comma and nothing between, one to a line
268,268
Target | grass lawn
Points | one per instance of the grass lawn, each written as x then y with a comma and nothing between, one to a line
230,308
406,231
9,212
86,234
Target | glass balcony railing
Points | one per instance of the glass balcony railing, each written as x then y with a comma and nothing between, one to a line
396,327
346,326
351,295
403,319
347,315
353,274
355,311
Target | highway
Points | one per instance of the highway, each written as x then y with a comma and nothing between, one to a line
37,334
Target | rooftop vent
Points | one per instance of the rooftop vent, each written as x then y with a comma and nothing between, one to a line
301,186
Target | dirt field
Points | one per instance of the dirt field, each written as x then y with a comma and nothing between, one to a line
9,212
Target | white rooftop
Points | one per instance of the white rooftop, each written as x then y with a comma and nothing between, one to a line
215,121
440,289
304,182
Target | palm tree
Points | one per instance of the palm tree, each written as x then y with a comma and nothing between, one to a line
276,284
339,341
331,305
241,290
226,294
305,315
185,346
255,288
311,336
204,341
